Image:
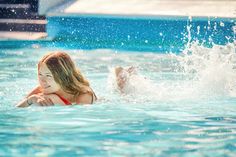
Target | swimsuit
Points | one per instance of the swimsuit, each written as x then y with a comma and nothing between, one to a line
66,102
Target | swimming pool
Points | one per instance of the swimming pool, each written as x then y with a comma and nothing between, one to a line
186,106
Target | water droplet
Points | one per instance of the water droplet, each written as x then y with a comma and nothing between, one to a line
128,37
198,29
222,24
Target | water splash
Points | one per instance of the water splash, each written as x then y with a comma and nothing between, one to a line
214,68
205,73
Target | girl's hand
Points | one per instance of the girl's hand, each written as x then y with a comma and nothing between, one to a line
39,99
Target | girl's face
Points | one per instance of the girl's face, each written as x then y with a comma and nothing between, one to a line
46,80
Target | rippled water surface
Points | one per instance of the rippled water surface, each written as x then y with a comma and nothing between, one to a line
182,107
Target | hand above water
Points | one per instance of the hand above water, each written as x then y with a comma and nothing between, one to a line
39,99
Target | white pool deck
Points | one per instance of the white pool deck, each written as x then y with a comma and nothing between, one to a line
202,8
193,8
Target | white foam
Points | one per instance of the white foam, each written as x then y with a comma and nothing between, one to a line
207,72
214,68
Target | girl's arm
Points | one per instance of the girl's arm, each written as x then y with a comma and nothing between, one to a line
41,100
36,90
27,101
24,103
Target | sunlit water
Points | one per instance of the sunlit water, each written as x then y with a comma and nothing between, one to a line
179,105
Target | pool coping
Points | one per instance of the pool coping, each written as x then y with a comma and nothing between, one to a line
192,8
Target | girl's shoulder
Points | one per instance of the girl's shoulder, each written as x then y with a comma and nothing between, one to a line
86,98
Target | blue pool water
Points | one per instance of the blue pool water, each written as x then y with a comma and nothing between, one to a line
183,103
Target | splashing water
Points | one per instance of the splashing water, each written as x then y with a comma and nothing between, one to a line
205,73
214,68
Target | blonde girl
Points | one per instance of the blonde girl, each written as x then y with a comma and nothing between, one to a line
60,82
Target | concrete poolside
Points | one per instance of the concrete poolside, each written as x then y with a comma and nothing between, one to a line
203,8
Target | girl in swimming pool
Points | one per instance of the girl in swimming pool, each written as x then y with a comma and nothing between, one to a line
60,82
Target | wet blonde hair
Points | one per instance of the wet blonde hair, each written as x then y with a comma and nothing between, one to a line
65,73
